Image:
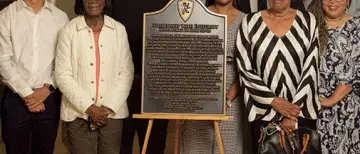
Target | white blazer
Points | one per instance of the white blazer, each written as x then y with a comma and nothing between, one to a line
75,71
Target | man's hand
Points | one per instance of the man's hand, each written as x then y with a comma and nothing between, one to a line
289,125
285,108
39,108
30,100
327,102
38,97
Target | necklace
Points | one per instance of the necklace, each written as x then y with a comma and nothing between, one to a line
336,19
336,22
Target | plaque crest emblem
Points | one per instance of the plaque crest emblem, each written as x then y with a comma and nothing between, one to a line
185,8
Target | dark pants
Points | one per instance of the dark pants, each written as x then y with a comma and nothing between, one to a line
256,126
24,132
157,140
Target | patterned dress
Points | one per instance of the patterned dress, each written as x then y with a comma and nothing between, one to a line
271,66
198,137
339,126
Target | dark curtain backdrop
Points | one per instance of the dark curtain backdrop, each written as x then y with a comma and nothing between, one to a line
130,14
3,4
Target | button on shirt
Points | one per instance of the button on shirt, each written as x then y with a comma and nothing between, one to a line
27,45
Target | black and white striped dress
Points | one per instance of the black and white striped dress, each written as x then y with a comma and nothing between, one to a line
272,66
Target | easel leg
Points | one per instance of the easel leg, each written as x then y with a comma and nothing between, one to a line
147,136
218,137
177,135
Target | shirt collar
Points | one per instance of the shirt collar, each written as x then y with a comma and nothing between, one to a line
21,5
81,24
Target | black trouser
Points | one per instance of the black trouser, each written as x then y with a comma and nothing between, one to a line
157,140
256,126
24,132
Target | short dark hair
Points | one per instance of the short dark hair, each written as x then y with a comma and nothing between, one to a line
212,2
80,10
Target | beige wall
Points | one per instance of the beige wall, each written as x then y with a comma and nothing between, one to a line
67,6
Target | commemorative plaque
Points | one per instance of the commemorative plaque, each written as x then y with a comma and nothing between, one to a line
184,51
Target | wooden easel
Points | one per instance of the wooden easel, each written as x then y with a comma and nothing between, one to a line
151,117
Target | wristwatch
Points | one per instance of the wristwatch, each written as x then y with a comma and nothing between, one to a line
228,102
51,88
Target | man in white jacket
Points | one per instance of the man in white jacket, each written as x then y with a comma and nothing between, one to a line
31,104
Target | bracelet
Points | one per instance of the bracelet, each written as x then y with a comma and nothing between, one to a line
228,102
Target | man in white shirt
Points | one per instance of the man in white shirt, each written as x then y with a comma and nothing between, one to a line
31,104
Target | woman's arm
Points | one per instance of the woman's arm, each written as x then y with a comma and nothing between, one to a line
252,81
80,99
233,92
116,97
307,92
340,92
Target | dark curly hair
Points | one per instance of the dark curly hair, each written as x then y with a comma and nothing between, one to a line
316,8
80,10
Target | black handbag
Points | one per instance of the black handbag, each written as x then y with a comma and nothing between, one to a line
275,140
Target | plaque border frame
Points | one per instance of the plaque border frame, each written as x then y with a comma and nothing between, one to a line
143,60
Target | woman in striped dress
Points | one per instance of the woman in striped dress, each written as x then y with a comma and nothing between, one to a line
278,65
198,137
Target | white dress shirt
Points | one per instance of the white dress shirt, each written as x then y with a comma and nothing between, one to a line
75,70
27,45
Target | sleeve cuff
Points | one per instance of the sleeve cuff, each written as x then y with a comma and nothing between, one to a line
262,100
112,110
25,92
84,109
269,100
347,83
52,82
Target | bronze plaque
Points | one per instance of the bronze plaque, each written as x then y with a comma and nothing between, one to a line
184,60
